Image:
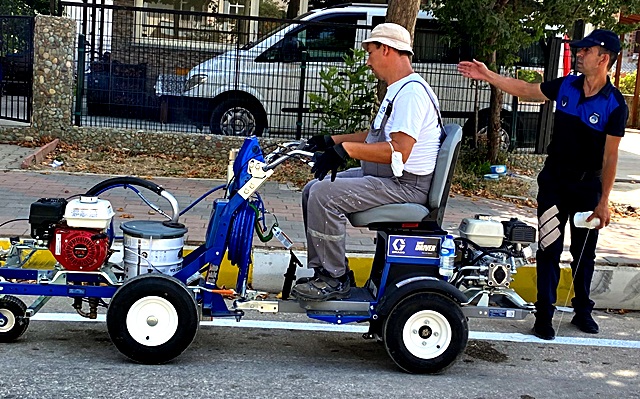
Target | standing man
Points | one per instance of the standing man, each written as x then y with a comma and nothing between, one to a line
579,172
406,129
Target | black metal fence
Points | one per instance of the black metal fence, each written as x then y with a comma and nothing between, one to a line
16,67
165,70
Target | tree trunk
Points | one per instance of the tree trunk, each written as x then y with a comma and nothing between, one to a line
493,133
495,106
293,9
405,13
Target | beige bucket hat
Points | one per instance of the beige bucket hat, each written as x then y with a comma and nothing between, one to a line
393,35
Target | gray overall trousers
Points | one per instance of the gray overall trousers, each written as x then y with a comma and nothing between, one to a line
325,204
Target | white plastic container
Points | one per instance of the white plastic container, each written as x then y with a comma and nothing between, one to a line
580,220
486,233
89,212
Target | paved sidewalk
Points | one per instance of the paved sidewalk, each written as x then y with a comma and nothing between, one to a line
18,189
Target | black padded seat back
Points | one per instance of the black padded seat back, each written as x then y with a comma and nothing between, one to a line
438,193
445,163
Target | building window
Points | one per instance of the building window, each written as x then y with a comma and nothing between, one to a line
235,8
181,22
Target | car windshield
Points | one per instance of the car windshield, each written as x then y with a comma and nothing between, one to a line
272,32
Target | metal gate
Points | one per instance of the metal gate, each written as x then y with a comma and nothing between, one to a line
16,68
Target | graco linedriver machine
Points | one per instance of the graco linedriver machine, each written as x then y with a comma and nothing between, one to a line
155,297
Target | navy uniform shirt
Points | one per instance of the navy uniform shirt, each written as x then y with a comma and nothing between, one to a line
582,124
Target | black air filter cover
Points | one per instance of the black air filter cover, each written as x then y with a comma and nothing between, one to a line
517,231
45,213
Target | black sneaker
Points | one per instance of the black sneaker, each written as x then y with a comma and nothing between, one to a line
585,323
322,288
543,329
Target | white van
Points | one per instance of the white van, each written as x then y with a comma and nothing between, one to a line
257,89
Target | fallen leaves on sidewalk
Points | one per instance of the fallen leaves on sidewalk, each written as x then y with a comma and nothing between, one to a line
623,211
124,162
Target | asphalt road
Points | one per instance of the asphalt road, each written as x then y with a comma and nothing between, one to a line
77,361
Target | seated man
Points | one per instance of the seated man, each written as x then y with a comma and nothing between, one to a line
406,129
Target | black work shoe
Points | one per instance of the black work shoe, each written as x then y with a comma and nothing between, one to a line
544,330
585,323
322,288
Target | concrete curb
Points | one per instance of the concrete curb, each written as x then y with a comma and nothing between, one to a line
39,154
612,287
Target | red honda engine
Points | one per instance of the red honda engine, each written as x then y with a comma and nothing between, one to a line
79,249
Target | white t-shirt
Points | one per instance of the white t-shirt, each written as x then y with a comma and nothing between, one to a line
413,114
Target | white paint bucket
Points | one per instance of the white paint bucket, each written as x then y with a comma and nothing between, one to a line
152,247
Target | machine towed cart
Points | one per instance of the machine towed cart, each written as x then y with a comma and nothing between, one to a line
155,297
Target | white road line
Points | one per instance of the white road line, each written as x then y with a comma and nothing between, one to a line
326,327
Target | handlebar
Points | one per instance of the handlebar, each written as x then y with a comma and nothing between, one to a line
285,152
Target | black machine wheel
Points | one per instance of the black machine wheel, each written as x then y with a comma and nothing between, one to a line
238,117
425,333
506,144
16,323
152,318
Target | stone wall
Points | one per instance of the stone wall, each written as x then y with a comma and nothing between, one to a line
629,99
532,162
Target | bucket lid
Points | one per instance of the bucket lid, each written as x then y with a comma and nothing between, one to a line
151,229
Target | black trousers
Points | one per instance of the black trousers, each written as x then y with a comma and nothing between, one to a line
560,196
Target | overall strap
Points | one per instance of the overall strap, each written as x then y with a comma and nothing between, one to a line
390,106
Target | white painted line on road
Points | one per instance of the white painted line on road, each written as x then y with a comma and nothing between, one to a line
326,327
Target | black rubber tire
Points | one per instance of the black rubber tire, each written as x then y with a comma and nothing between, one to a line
506,143
149,294
426,348
15,311
238,117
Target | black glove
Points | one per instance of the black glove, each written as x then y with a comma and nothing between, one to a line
330,160
320,142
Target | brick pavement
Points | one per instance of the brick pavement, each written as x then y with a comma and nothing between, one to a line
18,189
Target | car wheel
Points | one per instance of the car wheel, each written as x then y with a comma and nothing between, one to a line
506,144
505,141
238,117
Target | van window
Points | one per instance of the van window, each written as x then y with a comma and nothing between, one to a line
327,43
429,42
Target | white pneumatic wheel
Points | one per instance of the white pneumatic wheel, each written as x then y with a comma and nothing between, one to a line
152,318
425,333
13,322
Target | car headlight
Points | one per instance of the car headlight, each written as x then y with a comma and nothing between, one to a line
194,81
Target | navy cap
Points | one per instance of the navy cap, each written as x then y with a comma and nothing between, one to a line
599,37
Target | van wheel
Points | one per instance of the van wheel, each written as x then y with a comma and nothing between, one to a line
506,143
238,117
425,333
